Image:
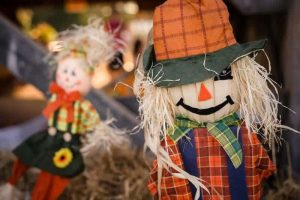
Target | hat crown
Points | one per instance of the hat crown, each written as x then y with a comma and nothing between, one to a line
185,28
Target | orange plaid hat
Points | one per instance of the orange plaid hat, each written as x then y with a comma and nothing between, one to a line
190,27
193,41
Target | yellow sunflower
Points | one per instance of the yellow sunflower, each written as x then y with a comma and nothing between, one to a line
63,158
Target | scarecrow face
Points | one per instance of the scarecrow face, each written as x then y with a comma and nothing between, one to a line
207,101
71,75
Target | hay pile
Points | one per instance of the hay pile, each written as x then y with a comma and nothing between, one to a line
114,170
287,190
284,186
118,175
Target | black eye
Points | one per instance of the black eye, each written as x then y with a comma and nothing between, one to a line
73,73
65,71
224,75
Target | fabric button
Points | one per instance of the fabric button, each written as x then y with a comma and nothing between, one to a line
52,131
67,137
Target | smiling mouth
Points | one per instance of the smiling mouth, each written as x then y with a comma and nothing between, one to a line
206,111
71,86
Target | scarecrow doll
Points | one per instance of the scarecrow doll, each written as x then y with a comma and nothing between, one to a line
203,102
56,150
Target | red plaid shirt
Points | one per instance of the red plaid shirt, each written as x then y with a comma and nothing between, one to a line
212,164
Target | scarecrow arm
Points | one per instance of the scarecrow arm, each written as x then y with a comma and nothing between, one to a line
90,117
153,180
264,164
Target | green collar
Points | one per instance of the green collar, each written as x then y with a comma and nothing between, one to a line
219,130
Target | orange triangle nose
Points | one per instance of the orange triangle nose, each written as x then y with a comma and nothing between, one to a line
204,94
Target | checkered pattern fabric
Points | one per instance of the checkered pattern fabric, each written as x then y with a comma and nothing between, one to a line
212,166
191,27
219,130
228,141
85,117
172,188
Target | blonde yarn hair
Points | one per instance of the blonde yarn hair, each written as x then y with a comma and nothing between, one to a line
91,41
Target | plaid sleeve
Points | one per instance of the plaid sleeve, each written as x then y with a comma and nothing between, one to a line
264,163
152,181
51,99
89,116
171,186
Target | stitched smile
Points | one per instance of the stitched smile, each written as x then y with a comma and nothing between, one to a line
206,111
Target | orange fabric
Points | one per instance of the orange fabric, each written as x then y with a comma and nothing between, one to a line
63,99
187,27
204,94
172,187
212,166
18,171
49,186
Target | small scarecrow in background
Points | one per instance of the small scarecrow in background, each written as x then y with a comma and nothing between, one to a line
203,101
56,150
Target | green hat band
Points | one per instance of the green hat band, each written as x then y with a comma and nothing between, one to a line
193,69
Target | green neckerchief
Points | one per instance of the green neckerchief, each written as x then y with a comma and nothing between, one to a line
219,130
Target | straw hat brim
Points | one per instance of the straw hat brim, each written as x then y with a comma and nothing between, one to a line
193,69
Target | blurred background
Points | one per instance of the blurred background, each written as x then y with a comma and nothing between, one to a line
27,27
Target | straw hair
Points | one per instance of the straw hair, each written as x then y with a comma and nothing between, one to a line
91,42
258,98
157,115
258,108
102,139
